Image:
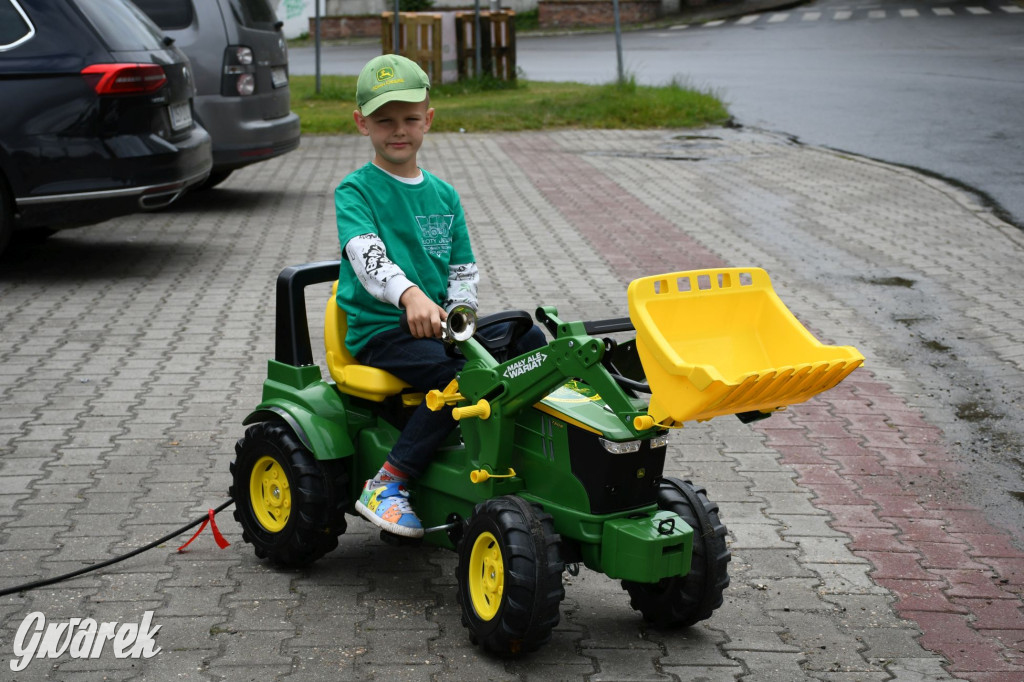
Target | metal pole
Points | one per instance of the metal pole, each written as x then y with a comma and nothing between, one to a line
618,40
476,40
396,49
316,25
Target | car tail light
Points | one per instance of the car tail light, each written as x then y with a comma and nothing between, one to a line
246,84
239,71
125,79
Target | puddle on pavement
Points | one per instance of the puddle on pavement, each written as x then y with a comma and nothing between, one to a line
890,281
936,346
679,148
696,137
911,321
930,344
647,155
973,411
698,141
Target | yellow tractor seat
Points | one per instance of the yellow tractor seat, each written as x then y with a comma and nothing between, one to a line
351,377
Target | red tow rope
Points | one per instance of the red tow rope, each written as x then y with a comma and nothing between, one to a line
221,542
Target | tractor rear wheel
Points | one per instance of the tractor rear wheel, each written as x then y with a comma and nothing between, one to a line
291,506
510,576
682,601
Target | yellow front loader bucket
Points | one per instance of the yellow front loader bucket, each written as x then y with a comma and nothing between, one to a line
715,342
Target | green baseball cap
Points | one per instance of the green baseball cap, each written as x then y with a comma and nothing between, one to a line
390,78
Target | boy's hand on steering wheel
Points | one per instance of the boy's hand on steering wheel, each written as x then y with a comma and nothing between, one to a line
424,316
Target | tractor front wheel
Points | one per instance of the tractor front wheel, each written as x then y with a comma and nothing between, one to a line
291,506
510,576
682,601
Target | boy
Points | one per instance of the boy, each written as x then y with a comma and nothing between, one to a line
406,247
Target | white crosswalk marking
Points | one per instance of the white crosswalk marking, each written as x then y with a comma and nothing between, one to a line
846,14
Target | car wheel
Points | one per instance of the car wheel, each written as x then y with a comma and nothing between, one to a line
510,576
291,507
681,601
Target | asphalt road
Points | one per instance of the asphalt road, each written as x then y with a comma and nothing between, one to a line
937,86
893,81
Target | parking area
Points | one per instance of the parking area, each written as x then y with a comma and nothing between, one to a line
875,531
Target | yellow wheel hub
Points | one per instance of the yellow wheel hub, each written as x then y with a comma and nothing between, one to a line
486,576
270,494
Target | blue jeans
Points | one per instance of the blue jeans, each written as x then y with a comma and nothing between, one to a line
424,365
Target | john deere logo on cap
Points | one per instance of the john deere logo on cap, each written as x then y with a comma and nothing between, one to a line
385,73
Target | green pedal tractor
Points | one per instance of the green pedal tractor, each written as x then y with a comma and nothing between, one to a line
558,459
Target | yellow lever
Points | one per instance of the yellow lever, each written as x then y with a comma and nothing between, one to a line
449,396
482,409
481,475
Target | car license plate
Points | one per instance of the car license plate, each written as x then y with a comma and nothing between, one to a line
181,115
279,76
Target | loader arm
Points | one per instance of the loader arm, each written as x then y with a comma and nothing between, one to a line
508,387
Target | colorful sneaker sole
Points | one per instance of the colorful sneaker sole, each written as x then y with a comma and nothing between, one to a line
389,526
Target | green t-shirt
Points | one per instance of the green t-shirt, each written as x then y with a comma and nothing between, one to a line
423,229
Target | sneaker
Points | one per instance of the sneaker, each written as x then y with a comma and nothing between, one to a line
387,505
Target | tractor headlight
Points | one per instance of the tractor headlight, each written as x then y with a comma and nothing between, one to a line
659,441
620,448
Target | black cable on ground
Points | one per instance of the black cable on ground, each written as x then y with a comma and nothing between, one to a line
95,567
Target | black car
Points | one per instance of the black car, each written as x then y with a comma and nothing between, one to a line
96,118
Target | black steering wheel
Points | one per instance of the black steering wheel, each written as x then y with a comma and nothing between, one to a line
499,332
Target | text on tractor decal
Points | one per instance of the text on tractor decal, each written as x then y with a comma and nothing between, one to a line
525,365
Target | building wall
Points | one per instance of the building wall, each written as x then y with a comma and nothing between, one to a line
295,15
580,13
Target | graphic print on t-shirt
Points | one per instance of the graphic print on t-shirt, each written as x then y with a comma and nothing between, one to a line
437,233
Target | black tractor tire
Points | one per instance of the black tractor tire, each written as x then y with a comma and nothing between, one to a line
291,507
510,576
682,601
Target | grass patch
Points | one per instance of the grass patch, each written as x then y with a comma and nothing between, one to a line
486,106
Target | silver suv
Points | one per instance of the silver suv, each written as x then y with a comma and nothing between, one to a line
240,62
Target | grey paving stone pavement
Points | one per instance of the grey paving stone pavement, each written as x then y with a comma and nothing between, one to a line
875,530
